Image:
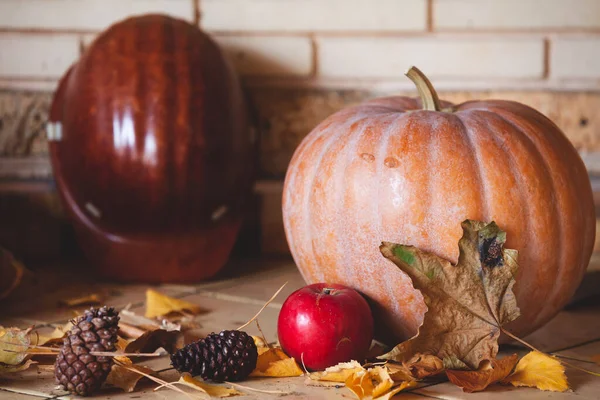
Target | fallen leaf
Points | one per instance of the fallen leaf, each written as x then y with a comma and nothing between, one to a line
6,369
275,363
541,371
86,300
337,373
424,365
399,372
121,344
152,340
212,390
125,378
375,383
158,304
261,345
596,359
54,338
490,372
467,303
14,344
11,273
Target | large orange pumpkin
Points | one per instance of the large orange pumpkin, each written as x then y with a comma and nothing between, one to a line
409,171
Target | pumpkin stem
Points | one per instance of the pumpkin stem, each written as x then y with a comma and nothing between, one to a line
429,97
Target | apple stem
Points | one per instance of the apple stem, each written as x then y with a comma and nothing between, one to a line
327,291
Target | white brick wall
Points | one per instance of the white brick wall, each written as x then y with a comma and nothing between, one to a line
314,15
83,14
446,58
522,14
264,56
37,56
576,57
474,44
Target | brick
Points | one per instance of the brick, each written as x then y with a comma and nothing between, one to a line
515,14
575,58
36,55
287,115
23,115
361,57
314,15
276,56
84,15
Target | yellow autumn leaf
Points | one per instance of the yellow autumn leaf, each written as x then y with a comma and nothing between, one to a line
158,304
85,300
275,363
337,373
261,345
375,383
124,378
541,371
212,390
14,344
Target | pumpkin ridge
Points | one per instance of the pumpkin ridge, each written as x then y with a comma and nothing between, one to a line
523,131
308,199
350,152
467,135
399,121
304,200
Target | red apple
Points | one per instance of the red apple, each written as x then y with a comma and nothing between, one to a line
325,324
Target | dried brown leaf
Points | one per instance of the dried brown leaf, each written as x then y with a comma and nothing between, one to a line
125,378
8,369
152,340
424,365
467,303
490,372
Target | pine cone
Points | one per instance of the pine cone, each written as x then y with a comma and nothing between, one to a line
78,371
228,356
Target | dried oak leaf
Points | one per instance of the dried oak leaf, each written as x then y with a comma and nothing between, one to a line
467,303
275,363
212,390
490,372
158,304
541,371
125,378
375,383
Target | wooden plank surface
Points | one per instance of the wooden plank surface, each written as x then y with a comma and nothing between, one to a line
235,297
